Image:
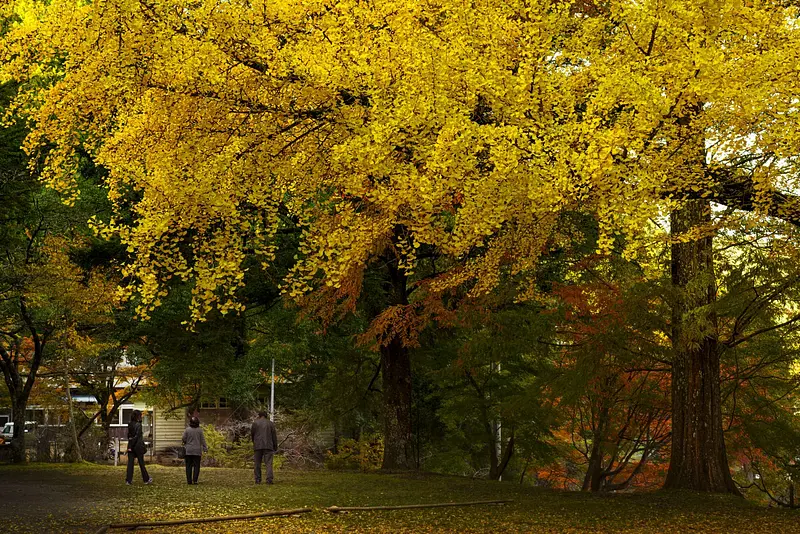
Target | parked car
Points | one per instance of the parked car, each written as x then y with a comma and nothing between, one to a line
8,430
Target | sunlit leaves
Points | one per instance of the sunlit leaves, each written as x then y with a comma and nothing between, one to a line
468,125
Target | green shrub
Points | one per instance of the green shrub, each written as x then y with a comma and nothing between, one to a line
365,455
225,453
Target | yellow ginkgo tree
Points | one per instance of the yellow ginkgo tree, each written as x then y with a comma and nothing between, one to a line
392,129
379,128
700,103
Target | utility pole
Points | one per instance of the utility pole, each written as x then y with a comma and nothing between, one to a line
272,394
499,435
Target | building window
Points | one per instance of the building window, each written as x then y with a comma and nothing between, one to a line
125,415
146,424
221,402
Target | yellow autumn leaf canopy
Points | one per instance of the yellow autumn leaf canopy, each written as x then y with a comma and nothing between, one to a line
391,124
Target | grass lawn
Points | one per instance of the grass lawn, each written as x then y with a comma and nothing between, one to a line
81,498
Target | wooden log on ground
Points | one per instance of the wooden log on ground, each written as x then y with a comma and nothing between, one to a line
336,509
273,513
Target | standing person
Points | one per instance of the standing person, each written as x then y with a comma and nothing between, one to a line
195,442
265,443
136,448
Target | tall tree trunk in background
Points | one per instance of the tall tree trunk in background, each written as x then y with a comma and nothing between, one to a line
500,463
18,439
73,429
699,460
396,377
498,456
593,479
396,370
491,440
19,379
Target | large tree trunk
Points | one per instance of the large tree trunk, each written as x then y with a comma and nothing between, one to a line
396,370
19,390
18,439
699,460
396,375
593,479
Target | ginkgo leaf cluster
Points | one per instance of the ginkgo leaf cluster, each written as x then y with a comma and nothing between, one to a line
391,124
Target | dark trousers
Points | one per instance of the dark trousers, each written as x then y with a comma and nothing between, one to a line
266,456
192,468
131,457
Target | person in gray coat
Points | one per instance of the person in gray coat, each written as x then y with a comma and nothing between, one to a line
195,442
265,443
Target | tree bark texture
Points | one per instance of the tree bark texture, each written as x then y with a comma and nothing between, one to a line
396,370
593,480
396,381
699,460
508,452
18,439
19,388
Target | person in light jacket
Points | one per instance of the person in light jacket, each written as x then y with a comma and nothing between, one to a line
265,443
195,442
136,448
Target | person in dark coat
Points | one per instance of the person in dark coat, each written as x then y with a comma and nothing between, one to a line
195,442
136,448
265,443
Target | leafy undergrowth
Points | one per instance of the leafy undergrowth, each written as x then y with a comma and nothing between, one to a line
81,498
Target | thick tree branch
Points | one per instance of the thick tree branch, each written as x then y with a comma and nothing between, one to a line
737,191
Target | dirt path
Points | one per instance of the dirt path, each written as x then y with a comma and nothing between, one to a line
32,499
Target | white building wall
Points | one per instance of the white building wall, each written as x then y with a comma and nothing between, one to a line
167,432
